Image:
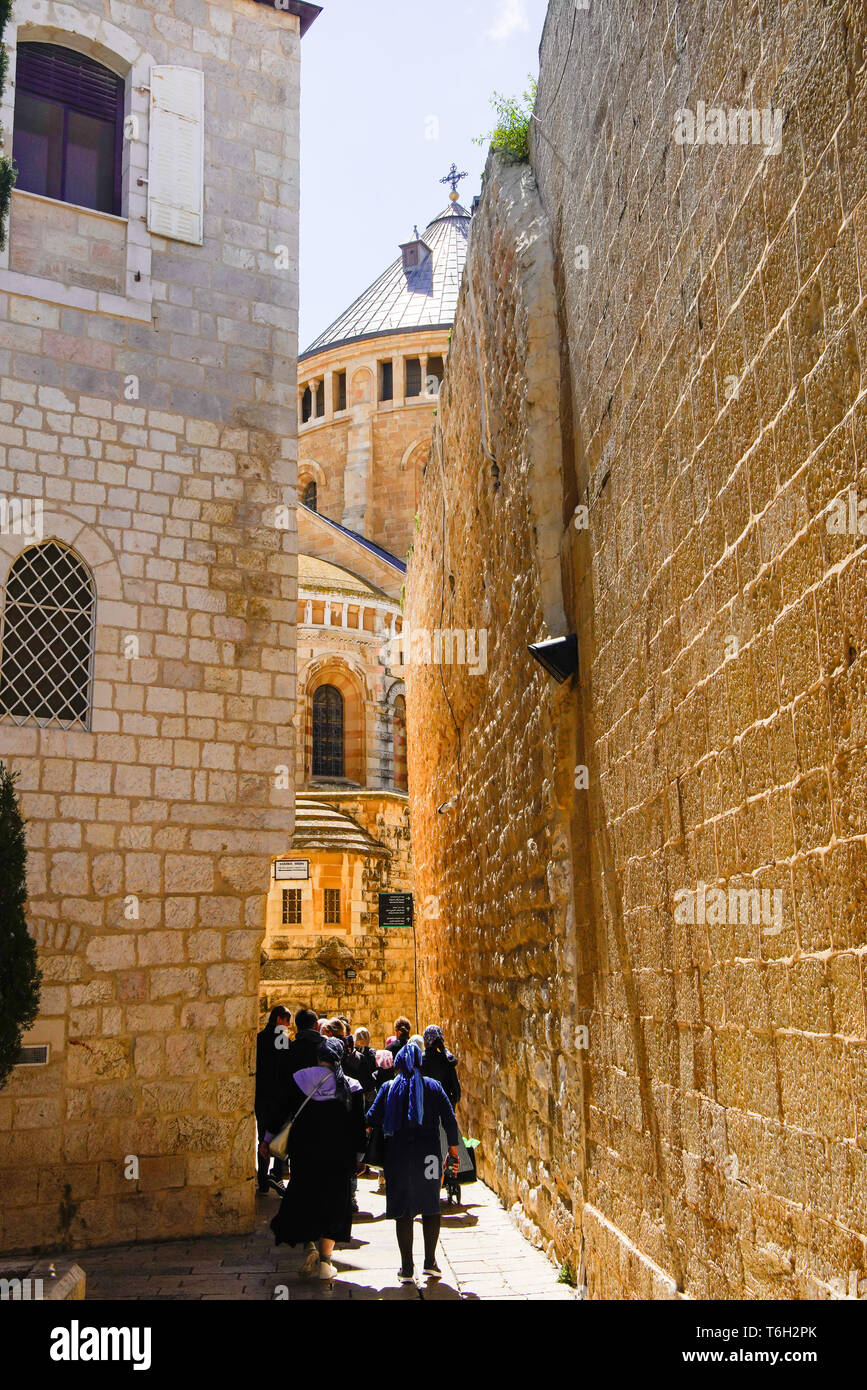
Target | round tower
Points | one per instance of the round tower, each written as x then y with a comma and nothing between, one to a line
368,388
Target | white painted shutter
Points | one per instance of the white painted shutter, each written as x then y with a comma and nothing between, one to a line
176,153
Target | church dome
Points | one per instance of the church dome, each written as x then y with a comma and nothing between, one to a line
314,573
418,291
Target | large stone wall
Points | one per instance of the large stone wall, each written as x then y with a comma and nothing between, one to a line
711,1139
151,829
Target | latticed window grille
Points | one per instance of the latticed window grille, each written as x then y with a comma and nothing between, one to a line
327,732
332,906
291,907
46,650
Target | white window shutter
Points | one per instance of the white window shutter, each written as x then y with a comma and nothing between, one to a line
176,153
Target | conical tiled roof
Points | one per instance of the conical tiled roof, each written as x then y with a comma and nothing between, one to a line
321,826
400,300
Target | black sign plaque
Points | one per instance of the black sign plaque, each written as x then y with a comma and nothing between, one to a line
395,909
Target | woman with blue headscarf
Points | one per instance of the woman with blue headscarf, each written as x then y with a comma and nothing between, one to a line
410,1110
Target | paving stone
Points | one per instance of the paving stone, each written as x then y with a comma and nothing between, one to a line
490,1261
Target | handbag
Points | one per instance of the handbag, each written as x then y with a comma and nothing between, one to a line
466,1151
278,1146
466,1158
375,1155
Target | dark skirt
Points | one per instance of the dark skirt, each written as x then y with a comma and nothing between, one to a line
317,1205
413,1173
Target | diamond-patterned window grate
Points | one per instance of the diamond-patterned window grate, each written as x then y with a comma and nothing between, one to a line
46,649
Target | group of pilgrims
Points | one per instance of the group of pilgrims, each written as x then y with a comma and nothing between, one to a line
329,1108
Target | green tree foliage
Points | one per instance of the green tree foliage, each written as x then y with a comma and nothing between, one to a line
7,169
511,134
20,977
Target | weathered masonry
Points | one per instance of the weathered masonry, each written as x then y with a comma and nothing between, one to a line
653,434
147,680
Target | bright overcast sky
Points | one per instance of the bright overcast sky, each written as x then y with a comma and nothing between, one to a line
391,92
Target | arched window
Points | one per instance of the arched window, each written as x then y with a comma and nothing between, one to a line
68,127
46,650
328,758
309,496
399,742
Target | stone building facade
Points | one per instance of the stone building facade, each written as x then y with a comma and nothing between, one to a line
147,680
650,952
367,394
368,386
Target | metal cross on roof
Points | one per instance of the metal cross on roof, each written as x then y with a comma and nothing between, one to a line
454,178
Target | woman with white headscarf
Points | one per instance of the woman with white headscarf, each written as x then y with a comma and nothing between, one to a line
325,1150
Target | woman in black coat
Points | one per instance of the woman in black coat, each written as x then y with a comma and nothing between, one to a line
366,1066
441,1064
326,1149
273,1077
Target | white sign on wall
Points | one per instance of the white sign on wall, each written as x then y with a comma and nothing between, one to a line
291,868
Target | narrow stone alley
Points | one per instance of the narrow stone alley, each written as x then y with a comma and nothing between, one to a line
482,1256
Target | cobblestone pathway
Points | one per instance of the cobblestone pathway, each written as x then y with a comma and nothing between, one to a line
482,1256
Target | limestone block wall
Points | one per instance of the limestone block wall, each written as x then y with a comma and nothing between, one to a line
150,829
498,954
59,242
711,307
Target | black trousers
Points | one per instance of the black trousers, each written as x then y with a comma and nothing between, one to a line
281,1166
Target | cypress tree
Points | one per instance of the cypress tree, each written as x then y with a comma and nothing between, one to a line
20,976
7,169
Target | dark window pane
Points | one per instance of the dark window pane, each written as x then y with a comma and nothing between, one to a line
413,376
386,381
332,906
291,907
341,391
89,162
434,375
38,145
309,498
66,142
327,732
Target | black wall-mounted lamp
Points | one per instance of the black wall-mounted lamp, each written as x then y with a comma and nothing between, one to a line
350,974
559,656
